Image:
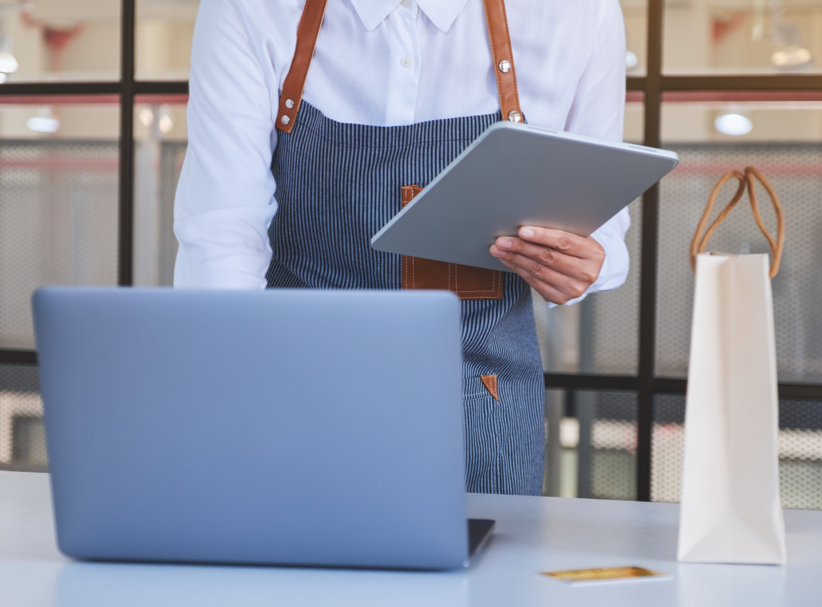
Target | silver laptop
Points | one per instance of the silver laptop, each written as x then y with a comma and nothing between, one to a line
279,427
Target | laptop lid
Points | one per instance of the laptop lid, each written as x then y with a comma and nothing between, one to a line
278,427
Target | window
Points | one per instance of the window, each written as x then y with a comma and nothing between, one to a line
722,85
93,135
89,158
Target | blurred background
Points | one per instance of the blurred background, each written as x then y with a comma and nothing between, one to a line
93,136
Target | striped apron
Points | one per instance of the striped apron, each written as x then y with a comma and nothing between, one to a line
337,185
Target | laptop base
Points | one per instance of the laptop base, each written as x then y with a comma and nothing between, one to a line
479,532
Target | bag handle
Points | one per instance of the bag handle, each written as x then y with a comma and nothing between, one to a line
746,181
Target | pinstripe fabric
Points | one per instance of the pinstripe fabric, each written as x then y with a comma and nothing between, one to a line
337,185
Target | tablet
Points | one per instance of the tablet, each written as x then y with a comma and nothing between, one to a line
515,175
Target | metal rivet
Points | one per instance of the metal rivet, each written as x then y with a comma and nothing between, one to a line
289,103
514,116
286,119
505,66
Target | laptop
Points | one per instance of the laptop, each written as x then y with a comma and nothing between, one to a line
282,427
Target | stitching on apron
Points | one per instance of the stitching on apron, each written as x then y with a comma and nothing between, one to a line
493,284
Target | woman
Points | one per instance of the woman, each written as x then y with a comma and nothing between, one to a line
297,157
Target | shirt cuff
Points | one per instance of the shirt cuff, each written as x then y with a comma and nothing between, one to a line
599,284
615,267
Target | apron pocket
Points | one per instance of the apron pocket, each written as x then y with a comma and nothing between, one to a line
466,282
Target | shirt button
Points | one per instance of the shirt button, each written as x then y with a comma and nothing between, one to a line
405,3
406,61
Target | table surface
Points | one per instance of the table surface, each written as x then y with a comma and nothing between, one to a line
533,534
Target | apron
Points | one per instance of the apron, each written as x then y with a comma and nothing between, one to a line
338,184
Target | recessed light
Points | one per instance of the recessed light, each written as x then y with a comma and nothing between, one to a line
733,124
44,121
791,57
43,125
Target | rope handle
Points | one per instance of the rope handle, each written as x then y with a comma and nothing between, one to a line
746,181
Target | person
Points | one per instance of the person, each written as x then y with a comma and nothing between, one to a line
311,122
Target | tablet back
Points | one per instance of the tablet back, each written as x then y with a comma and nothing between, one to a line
293,427
515,175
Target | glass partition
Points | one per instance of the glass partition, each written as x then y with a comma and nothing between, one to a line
164,30
800,451
781,138
635,13
59,161
160,141
22,441
590,444
60,40
751,37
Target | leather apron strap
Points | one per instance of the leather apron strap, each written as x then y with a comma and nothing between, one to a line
309,29
503,56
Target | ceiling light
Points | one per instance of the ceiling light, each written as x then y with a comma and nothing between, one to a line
8,64
43,125
791,57
146,116
733,124
44,121
166,122
631,60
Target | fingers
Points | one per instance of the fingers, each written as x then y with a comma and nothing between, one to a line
548,291
536,274
559,265
527,255
570,244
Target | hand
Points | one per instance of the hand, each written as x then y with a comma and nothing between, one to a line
559,265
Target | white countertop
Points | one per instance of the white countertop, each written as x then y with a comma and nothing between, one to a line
533,534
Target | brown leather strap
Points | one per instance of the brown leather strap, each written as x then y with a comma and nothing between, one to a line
503,60
307,33
748,180
309,29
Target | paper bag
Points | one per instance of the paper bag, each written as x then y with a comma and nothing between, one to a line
731,512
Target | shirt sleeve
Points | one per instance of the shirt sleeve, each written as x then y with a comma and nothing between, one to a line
599,111
225,196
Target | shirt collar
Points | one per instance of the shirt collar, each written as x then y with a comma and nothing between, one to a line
442,13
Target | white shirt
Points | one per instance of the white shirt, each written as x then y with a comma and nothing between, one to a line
381,63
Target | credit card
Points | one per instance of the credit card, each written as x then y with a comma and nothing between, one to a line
607,574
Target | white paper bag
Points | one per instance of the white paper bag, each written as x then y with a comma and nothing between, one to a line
731,511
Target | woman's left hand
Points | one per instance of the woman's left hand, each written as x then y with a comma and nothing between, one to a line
559,265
